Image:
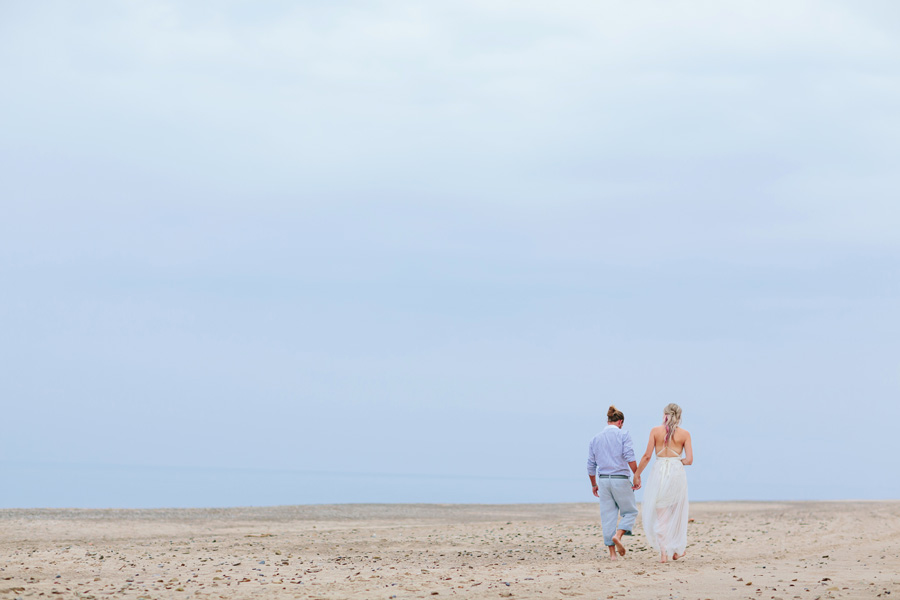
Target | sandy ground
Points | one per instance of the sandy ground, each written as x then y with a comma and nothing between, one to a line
735,550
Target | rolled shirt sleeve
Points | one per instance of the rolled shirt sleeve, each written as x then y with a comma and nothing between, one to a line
627,447
591,461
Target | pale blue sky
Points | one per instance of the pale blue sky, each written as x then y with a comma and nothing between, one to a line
436,240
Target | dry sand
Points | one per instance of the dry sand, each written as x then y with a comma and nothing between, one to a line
802,550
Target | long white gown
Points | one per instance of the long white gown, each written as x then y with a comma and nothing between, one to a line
665,506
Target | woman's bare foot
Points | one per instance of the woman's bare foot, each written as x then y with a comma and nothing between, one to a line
662,557
676,556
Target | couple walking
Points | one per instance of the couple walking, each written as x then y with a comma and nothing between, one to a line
610,464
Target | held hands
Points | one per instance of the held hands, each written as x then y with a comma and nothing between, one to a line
636,484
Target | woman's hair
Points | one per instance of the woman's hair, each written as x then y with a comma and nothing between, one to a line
671,419
614,414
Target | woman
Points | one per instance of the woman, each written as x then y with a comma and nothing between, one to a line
665,505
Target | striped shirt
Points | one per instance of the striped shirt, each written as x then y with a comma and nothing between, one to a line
610,452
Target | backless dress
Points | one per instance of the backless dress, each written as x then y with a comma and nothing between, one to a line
665,505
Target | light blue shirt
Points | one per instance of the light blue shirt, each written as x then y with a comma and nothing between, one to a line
610,452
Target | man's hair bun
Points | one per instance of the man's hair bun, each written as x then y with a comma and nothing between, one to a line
614,414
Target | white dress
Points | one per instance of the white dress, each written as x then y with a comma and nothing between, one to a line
665,506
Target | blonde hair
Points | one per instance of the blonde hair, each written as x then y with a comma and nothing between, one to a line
614,414
671,419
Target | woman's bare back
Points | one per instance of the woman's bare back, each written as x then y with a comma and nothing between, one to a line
675,445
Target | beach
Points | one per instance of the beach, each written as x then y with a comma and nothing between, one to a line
770,550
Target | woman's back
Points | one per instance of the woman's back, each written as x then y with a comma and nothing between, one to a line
675,444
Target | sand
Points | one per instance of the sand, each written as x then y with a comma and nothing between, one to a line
802,550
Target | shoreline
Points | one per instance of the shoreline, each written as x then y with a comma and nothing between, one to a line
463,505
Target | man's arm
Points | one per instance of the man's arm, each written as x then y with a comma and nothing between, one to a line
627,448
592,468
645,459
636,484
628,454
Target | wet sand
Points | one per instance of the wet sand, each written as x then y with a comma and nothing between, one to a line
790,550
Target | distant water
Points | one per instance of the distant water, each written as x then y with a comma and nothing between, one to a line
84,486
29,485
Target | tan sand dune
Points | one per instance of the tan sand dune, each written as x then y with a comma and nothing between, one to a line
784,550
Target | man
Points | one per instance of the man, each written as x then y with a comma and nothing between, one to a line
610,464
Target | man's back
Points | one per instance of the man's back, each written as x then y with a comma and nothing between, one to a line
610,452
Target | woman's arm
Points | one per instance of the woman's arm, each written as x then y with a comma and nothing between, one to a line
688,451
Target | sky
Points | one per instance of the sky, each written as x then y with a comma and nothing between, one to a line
299,252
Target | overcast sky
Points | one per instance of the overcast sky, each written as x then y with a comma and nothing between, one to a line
442,238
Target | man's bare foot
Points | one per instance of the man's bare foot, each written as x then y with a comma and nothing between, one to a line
620,547
612,553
